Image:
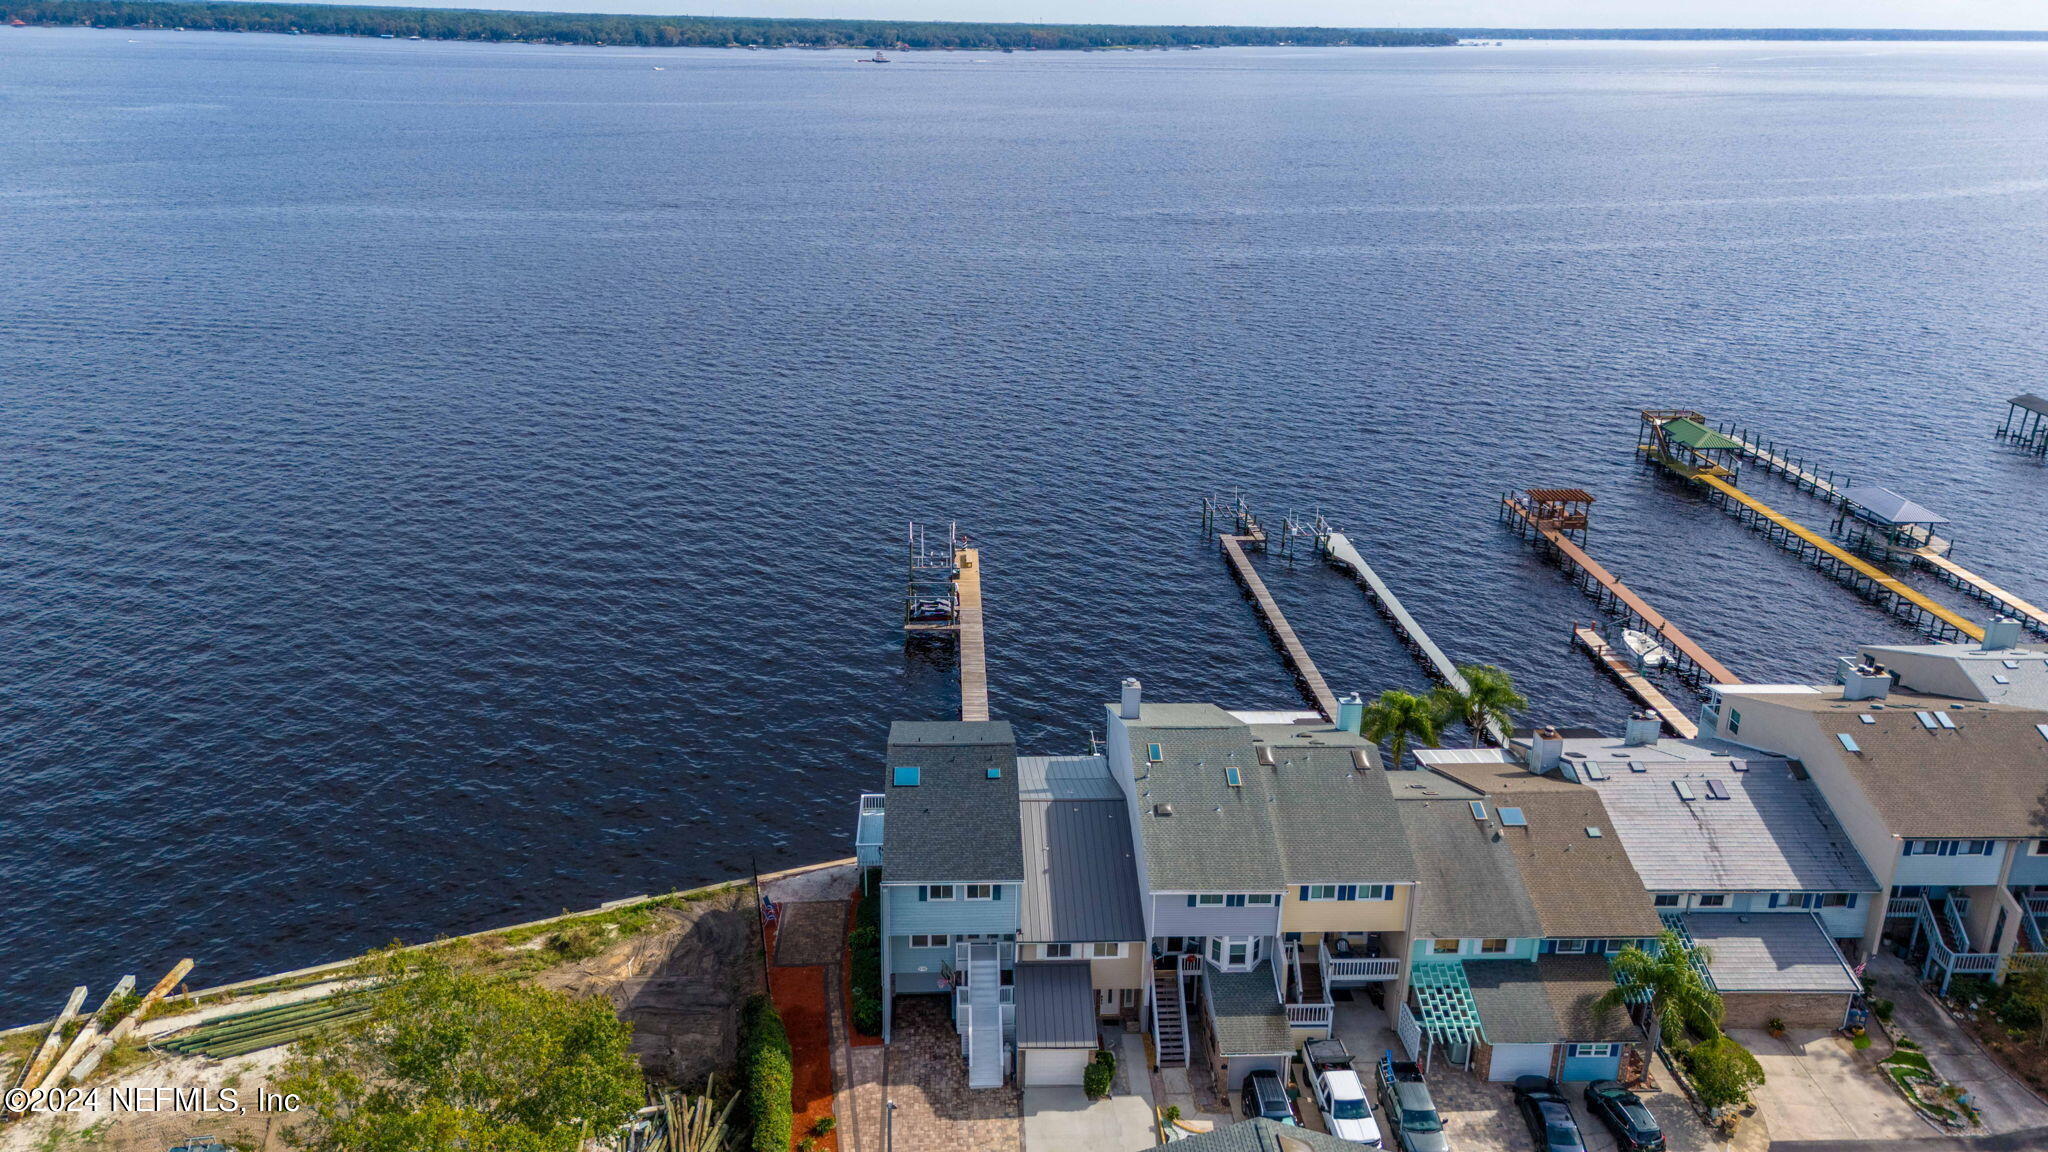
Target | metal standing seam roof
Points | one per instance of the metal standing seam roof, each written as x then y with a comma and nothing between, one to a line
1774,831
1546,1001
1770,952
2030,402
1888,507
1698,436
1080,874
1055,1005
1066,778
957,823
1248,1017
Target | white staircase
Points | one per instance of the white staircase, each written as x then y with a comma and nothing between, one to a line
984,1017
1169,1019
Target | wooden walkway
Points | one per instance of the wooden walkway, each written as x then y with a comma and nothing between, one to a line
973,652
1341,552
1652,620
1976,585
1623,669
1304,668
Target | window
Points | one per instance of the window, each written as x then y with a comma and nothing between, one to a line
1206,900
1512,818
1493,947
1592,1051
1239,949
1950,848
1445,947
1837,900
1259,898
2040,848
1734,722
940,941
1107,951
1153,754
1319,892
1570,946
1667,900
1056,951
1848,742
983,891
936,892
1712,900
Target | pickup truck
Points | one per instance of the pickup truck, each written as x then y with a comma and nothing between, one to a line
1405,1102
1340,1093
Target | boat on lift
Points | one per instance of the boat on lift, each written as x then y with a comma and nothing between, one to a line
1650,652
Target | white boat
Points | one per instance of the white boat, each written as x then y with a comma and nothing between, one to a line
1649,653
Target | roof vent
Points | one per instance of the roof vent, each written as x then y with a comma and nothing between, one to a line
1162,809
1266,755
1129,703
1865,680
1642,729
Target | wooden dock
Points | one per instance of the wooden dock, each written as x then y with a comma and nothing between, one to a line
1304,669
973,652
1611,587
2035,619
1623,668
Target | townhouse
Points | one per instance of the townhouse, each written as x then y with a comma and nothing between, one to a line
1934,760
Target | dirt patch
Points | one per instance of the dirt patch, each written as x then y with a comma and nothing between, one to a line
809,933
680,983
165,1124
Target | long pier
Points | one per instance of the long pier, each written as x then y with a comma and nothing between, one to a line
1527,514
1250,534
1339,550
1623,669
973,650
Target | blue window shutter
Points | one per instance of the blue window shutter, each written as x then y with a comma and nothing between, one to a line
1852,900
1191,899
1774,900
1234,900
1545,948
1348,892
996,892
1304,891
922,893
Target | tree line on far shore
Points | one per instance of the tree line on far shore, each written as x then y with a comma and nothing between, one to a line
678,31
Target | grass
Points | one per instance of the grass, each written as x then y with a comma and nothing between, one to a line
1861,1041
1908,1059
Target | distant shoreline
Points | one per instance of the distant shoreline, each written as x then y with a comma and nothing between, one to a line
501,26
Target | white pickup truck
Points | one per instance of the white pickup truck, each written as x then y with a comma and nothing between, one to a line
1340,1093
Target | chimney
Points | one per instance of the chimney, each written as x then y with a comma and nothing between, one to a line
1642,730
1350,712
2000,633
1864,680
1132,691
1546,748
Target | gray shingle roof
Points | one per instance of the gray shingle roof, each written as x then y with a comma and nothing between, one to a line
1771,952
1261,1135
1774,832
1546,1001
956,824
1248,1016
1055,1005
1469,886
1080,875
1311,816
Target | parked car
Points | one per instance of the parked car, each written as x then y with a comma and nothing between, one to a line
1340,1093
1407,1109
1548,1115
1265,1095
1634,1128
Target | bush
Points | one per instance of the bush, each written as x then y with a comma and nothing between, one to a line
1881,1008
864,943
1171,1114
765,1067
1101,1071
824,1125
1723,1072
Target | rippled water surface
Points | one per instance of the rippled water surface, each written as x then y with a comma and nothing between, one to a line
449,483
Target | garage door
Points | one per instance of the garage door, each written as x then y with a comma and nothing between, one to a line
1512,1060
1044,1066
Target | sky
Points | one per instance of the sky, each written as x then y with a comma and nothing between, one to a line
1970,14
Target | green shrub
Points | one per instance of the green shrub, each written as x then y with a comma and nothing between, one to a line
864,943
765,1067
1881,1008
1723,1071
824,1125
1101,1072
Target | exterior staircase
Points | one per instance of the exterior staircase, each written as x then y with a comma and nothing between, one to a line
984,1018
1169,1019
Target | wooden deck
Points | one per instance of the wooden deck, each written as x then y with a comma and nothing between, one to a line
1977,585
1304,668
1653,620
973,652
1623,669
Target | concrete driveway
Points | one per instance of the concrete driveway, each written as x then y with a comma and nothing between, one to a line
1063,1119
2007,1105
1816,1089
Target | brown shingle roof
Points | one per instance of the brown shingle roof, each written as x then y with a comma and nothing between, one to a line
1987,778
1580,885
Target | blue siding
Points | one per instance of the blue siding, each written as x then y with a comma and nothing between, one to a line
2028,869
1591,1067
904,958
910,916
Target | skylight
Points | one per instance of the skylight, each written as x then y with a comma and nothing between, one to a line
1153,753
1944,720
1717,790
1513,818
2042,729
1593,772
1848,742
2012,665
2001,680
1868,719
1479,806
906,777
995,773
1233,777
1683,789
1926,720
1636,766
1592,832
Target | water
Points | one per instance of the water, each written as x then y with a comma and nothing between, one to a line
449,483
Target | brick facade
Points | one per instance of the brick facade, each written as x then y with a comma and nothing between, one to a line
1796,1009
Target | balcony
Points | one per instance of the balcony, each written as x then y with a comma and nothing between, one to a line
1343,971
867,834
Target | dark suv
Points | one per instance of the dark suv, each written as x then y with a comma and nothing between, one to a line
1265,1095
1635,1130
1548,1115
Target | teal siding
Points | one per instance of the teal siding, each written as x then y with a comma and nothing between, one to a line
903,958
1591,1067
1517,950
910,916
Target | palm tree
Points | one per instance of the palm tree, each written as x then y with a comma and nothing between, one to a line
1670,981
1489,697
1398,717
